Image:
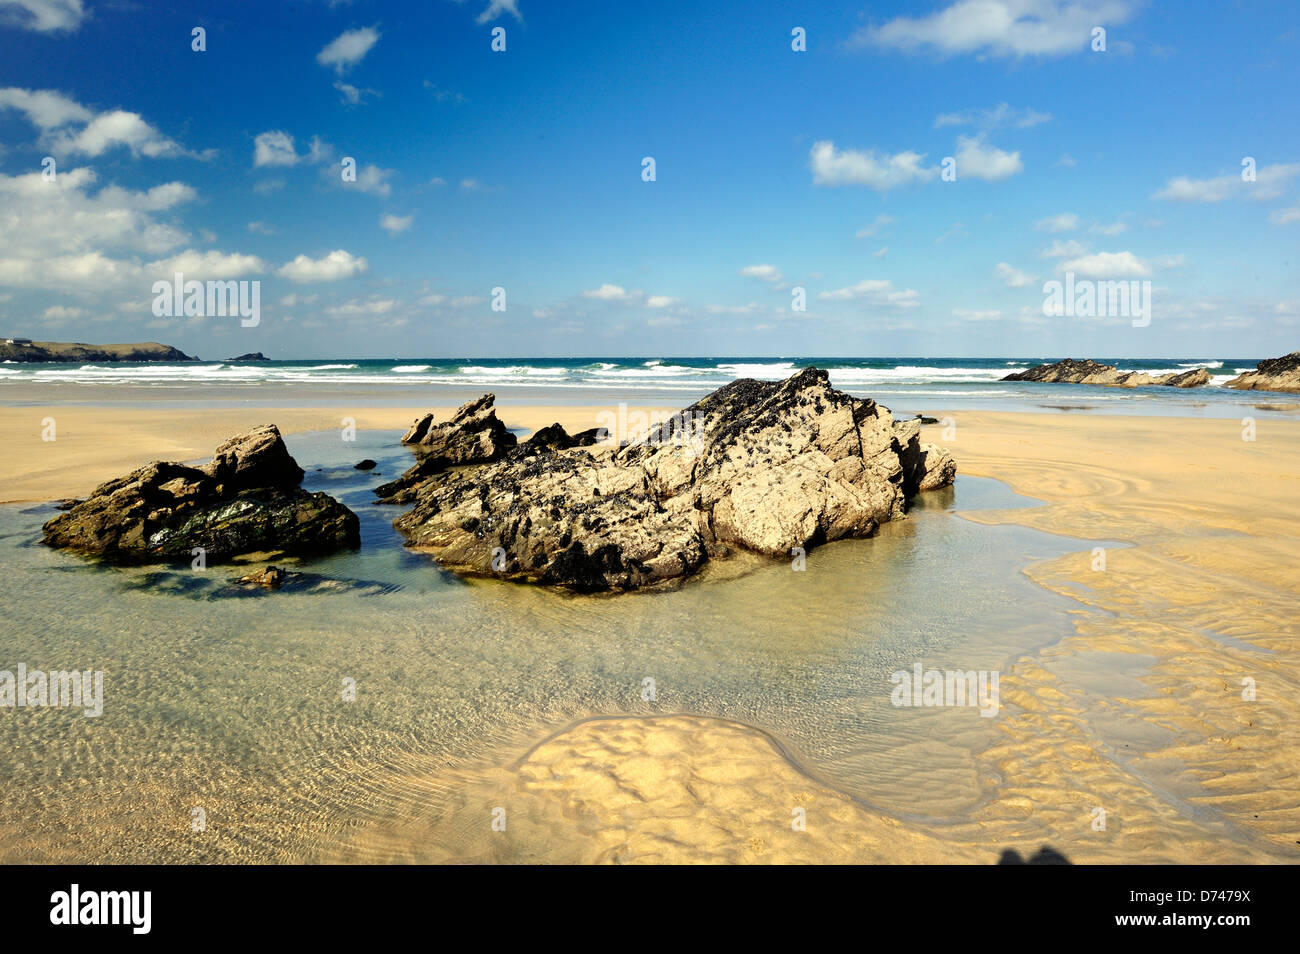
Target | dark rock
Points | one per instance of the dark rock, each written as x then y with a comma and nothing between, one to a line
474,435
245,500
251,356
555,437
366,464
1071,371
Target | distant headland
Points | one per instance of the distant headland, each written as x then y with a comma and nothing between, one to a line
26,350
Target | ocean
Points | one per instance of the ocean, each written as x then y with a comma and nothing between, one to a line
910,385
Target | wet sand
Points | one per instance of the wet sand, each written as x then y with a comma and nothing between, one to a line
1138,713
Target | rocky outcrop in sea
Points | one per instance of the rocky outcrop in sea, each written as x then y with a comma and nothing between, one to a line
1071,371
247,499
762,466
1275,374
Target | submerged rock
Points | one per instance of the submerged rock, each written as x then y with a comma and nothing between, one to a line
366,464
272,577
245,500
1071,371
1275,374
767,466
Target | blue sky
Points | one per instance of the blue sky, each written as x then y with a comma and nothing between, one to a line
775,170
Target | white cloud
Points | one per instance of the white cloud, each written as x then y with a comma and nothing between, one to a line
1067,160
42,219
348,49
57,117
768,273
354,95
261,228
998,117
880,252
358,308
373,180
1270,181
877,224
467,301
207,266
956,231
1063,249
43,16
976,160
497,7
1107,265
334,266
1285,216
747,309
432,300
879,171
966,314
274,148
1114,228
608,292
999,27
393,224
437,182
1065,222
119,128
62,312
45,108
878,291
1012,277
660,301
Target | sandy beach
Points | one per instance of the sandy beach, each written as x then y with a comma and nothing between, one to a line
1137,716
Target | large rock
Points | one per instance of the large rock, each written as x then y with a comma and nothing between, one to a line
473,435
1275,374
1187,379
245,500
767,466
1071,371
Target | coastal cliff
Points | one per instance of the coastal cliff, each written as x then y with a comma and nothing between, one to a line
76,351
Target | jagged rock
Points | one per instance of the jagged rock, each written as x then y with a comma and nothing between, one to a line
1071,371
474,435
1188,379
1274,374
255,459
251,356
419,427
555,437
245,500
767,466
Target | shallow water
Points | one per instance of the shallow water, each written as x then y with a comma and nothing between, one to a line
231,701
